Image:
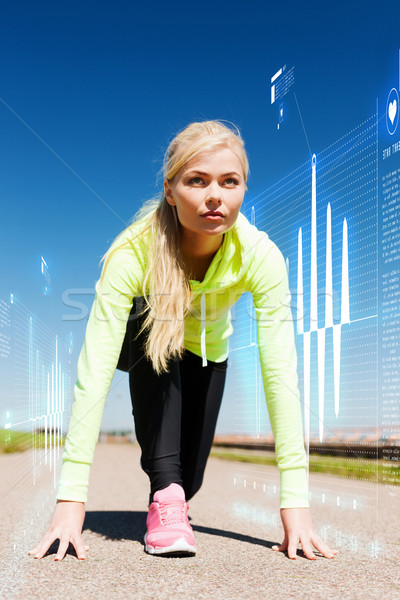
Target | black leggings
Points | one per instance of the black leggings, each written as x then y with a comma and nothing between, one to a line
175,413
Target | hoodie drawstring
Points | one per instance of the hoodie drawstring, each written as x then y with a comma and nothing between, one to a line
203,329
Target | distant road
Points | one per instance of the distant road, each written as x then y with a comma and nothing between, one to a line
235,517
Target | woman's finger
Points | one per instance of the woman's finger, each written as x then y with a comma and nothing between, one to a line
34,550
80,548
307,549
44,545
292,546
322,547
62,548
282,547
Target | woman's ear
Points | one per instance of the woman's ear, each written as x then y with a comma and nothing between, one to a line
168,193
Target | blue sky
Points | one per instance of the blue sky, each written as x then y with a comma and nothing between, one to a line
91,94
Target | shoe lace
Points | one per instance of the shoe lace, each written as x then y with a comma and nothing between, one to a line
173,513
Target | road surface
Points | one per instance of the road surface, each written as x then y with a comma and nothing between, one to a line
235,517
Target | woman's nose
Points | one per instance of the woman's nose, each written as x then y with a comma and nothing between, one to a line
213,194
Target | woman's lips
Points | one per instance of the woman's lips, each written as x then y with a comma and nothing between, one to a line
213,216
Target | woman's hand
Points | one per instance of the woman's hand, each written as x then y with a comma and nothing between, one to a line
66,525
298,528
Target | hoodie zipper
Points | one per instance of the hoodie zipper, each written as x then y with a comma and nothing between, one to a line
203,329
206,282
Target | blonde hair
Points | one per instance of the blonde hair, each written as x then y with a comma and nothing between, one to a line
169,298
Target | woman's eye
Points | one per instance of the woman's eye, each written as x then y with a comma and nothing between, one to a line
231,181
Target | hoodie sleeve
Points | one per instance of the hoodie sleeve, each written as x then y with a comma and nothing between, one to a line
271,297
105,332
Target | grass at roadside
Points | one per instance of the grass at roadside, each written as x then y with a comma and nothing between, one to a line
382,471
19,441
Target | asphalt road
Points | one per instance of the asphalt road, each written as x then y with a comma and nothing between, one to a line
235,517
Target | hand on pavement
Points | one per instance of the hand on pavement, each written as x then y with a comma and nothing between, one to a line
66,525
298,528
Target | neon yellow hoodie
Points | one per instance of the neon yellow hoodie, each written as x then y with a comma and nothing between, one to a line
247,261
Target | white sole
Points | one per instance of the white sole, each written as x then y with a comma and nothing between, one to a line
180,546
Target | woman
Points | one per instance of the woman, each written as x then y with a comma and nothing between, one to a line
161,312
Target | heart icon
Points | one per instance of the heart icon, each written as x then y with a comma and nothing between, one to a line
392,110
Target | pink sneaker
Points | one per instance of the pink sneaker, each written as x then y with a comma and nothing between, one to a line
168,528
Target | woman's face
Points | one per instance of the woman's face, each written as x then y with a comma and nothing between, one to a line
208,192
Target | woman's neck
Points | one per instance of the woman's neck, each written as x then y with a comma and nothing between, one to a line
198,254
